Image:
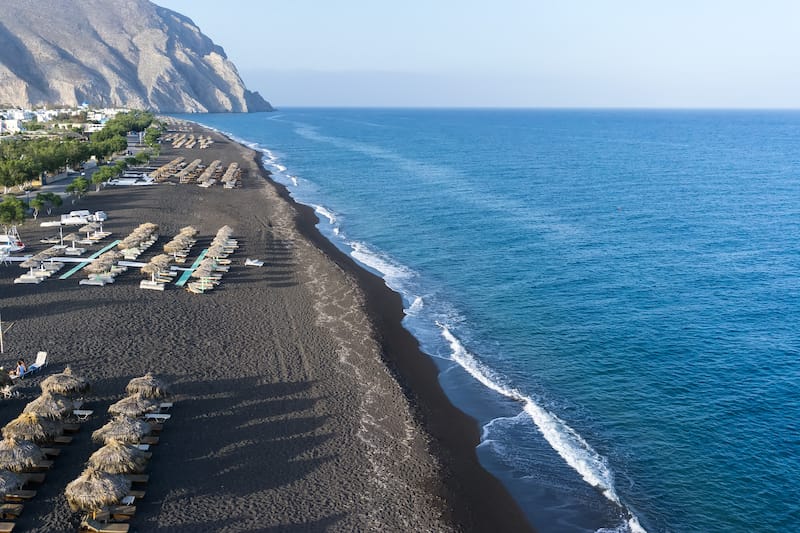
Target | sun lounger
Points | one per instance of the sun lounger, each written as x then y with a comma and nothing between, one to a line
26,278
121,511
152,285
51,452
62,439
6,527
137,494
152,441
41,362
72,427
116,513
37,477
160,417
99,527
10,511
138,478
19,495
82,414
9,391
44,464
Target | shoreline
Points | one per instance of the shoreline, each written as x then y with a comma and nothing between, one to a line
479,500
305,405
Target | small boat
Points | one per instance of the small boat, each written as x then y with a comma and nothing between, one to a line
10,242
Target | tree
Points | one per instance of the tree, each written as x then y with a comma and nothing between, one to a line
49,201
78,187
102,175
37,204
12,211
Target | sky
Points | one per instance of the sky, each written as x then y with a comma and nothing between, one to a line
510,53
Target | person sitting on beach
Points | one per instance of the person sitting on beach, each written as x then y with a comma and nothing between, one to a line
20,370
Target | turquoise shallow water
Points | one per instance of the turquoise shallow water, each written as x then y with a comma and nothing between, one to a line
613,295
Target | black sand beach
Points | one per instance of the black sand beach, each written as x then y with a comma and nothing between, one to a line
302,404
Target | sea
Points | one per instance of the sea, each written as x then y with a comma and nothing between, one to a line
613,295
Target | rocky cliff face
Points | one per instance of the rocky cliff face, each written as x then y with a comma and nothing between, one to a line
110,53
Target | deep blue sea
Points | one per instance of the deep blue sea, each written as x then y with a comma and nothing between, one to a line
613,295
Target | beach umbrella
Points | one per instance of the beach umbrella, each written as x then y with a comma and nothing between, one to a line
202,271
133,406
216,251
93,490
50,406
46,254
30,263
156,265
122,429
104,262
175,245
148,386
88,229
72,237
119,458
9,482
18,454
66,383
191,231
31,426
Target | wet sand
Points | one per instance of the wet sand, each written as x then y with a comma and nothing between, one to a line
301,402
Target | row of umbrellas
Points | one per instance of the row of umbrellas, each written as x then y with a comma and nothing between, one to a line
40,421
182,241
103,263
143,233
216,251
103,482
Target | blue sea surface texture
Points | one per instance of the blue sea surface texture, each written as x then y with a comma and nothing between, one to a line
613,295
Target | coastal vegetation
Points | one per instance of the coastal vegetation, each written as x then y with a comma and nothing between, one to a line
24,160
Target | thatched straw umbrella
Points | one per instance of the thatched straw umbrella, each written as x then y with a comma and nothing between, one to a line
17,454
133,406
89,228
30,263
122,429
191,231
93,490
148,386
104,262
156,265
30,426
215,251
66,383
71,237
119,458
50,405
9,482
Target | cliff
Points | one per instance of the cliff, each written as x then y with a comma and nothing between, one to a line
114,53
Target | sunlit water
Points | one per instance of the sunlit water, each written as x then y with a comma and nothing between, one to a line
612,295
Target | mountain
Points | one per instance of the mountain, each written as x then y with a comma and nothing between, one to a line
114,53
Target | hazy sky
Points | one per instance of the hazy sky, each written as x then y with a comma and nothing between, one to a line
534,53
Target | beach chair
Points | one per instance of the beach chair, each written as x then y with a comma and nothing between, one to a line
6,527
30,477
9,391
10,511
41,361
98,527
19,495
